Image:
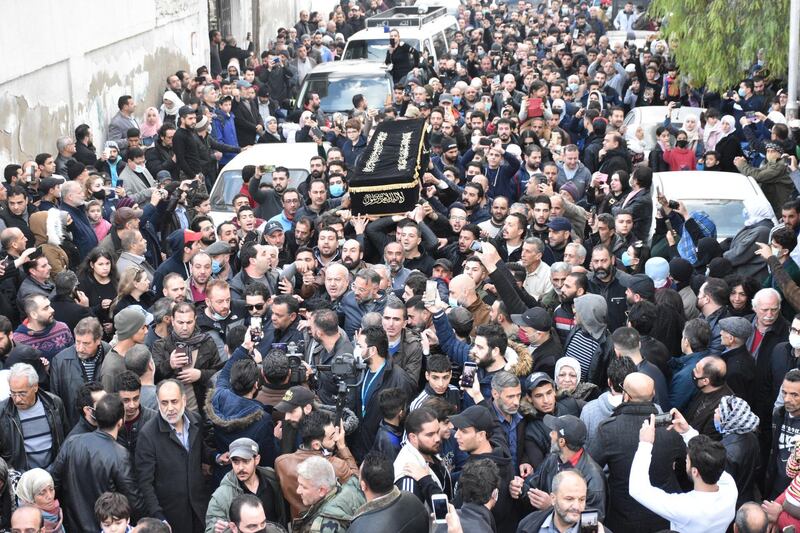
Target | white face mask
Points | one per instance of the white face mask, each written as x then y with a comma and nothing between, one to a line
794,340
139,169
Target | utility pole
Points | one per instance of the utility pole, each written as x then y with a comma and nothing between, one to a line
794,59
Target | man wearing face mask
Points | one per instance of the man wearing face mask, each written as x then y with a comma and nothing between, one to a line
783,243
535,331
136,178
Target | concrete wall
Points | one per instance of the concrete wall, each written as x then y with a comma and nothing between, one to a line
71,65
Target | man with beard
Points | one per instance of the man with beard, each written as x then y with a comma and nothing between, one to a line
532,167
504,127
318,200
569,496
364,298
499,212
327,249
42,331
459,251
541,215
220,313
449,158
418,469
405,348
169,454
282,328
327,343
226,232
393,258
6,343
609,283
320,437
200,274
246,477
509,242
353,256
161,156
269,200
472,199
205,226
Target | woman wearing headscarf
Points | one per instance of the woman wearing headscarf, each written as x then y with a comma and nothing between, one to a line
737,424
691,126
170,105
759,220
708,249
728,146
712,133
36,488
150,126
568,381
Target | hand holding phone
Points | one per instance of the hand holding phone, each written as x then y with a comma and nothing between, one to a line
589,522
468,374
431,292
439,505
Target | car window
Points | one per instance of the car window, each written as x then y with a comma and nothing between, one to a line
373,49
336,94
728,215
440,45
231,181
450,34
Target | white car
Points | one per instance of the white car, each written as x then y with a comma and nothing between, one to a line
294,156
639,37
720,194
650,117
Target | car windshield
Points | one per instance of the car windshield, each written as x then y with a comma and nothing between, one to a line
728,215
336,94
231,184
373,49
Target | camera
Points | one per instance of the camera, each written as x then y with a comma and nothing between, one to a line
297,372
343,367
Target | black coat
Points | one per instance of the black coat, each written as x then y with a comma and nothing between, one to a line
782,359
246,120
641,206
188,147
614,160
741,373
67,376
159,158
741,462
614,445
170,477
104,465
728,148
12,444
778,333
397,511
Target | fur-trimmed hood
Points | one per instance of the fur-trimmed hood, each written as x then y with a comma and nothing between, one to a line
527,410
524,364
231,412
47,227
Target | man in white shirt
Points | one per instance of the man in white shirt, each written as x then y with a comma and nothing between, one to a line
537,272
711,506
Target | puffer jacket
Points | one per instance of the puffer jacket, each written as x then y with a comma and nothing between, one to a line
110,470
396,511
334,512
230,488
235,417
12,444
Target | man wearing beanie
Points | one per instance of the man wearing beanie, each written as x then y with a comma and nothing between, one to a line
131,329
741,376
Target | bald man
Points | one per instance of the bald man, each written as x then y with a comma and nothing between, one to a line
709,378
463,293
27,518
750,518
615,444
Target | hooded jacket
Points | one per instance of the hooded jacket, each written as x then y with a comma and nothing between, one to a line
759,220
235,417
48,231
613,291
592,310
174,262
224,131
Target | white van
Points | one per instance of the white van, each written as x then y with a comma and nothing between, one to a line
430,29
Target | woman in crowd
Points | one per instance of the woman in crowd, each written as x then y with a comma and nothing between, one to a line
36,488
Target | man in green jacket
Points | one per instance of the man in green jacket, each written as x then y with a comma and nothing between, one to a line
331,506
246,477
772,176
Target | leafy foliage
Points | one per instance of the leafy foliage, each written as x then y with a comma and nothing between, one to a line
717,40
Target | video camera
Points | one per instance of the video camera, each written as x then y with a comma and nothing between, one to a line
297,372
343,367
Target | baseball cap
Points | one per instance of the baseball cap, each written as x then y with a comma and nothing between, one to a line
163,175
297,396
272,227
559,224
190,236
243,448
640,284
50,183
123,215
448,143
536,380
476,416
444,263
535,317
568,426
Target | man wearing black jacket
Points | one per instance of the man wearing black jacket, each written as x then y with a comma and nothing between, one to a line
93,463
187,145
161,156
401,57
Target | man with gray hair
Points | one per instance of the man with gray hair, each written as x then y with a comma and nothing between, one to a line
139,360
506,396
575,254
66,152
162,321
330,506
134,249
364,298
33,423
72,201
537,272
558,273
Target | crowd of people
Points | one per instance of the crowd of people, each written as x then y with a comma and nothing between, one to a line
541,341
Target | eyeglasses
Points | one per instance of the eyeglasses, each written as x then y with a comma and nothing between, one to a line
18,394
255,307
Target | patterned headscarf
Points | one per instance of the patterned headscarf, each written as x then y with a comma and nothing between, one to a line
735,416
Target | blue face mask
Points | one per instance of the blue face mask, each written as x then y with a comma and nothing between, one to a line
337,189
216,267
452,302
574,87
741,93
717,426
456,100
626,259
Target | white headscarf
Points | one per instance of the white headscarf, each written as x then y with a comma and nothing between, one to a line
570,362
696,133
728,119
176,102
756,209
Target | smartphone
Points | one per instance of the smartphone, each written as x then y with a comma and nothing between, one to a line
484,141
120,182
750,115
431,290
589,522
496,79
181,349
439,505
31,172
317,132
788,529
255,329
468,374
575,33
476,246
663,420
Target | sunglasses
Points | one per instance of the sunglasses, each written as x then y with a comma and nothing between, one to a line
255,307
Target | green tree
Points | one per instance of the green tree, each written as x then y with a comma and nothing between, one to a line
717,40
